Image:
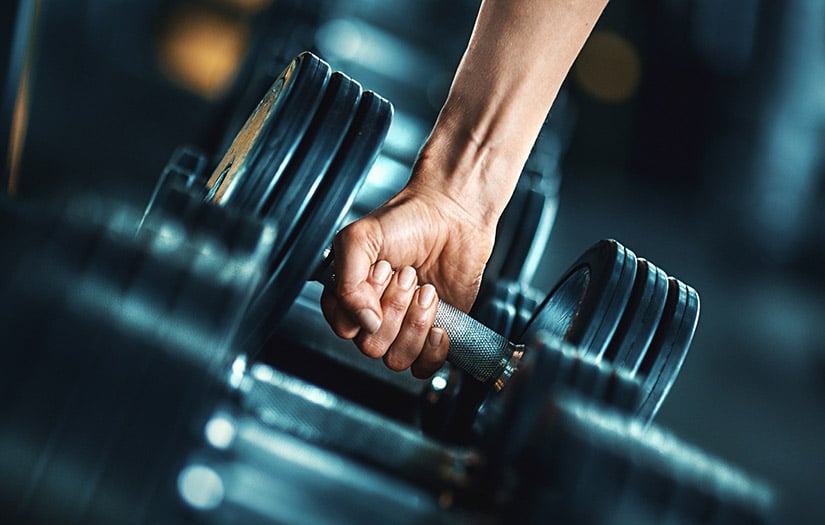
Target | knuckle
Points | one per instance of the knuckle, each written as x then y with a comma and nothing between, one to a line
346,292
418,323
372,347
360,233
398,302
351,299
394,363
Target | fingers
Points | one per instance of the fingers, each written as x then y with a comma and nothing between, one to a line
433,354
406,337
394,304
385,313
412,341
412,335
356,277
343,323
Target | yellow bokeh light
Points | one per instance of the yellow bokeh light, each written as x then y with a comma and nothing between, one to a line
608,67
201,49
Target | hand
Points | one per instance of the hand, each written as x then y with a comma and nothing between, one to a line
438,232
432,243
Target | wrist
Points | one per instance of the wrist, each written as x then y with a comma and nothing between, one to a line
460,162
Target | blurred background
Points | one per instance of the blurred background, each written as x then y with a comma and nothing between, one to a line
689,130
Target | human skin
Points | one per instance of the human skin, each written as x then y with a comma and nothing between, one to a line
433,239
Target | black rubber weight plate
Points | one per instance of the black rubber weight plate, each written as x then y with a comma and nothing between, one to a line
641,318
587,304
290,198
527,302
239,234
531,225
669,347
262,149
303,251
502,307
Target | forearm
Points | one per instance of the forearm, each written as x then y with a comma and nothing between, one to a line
517,58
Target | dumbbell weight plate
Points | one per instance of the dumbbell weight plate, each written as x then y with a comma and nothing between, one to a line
664,358
527,302
271,135
343,179
594,297
298,161
641,317
495,305
290,198
586,306
583,310
126,361
603,465
213,227
552,368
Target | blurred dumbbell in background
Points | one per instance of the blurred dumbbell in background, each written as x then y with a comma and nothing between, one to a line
136,399
150,281
109,101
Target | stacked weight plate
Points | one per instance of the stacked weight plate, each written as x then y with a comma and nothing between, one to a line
625,311
298,162
625,318
112,347
585,464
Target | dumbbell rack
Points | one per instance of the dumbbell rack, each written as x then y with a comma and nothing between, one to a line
154,393
125,413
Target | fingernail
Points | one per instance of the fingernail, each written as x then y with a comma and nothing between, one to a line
369,320
381,271
406,277
426,294
435,336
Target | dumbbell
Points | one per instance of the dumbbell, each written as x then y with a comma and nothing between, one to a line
120,391
563,443
114,344
98,286
560,455
299,160
597,460
584,464
615,309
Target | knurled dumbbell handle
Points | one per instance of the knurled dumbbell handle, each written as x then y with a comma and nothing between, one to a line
484,354
474,348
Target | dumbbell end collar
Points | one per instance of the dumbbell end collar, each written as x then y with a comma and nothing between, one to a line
509,367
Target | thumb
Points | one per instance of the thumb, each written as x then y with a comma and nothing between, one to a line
356,251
